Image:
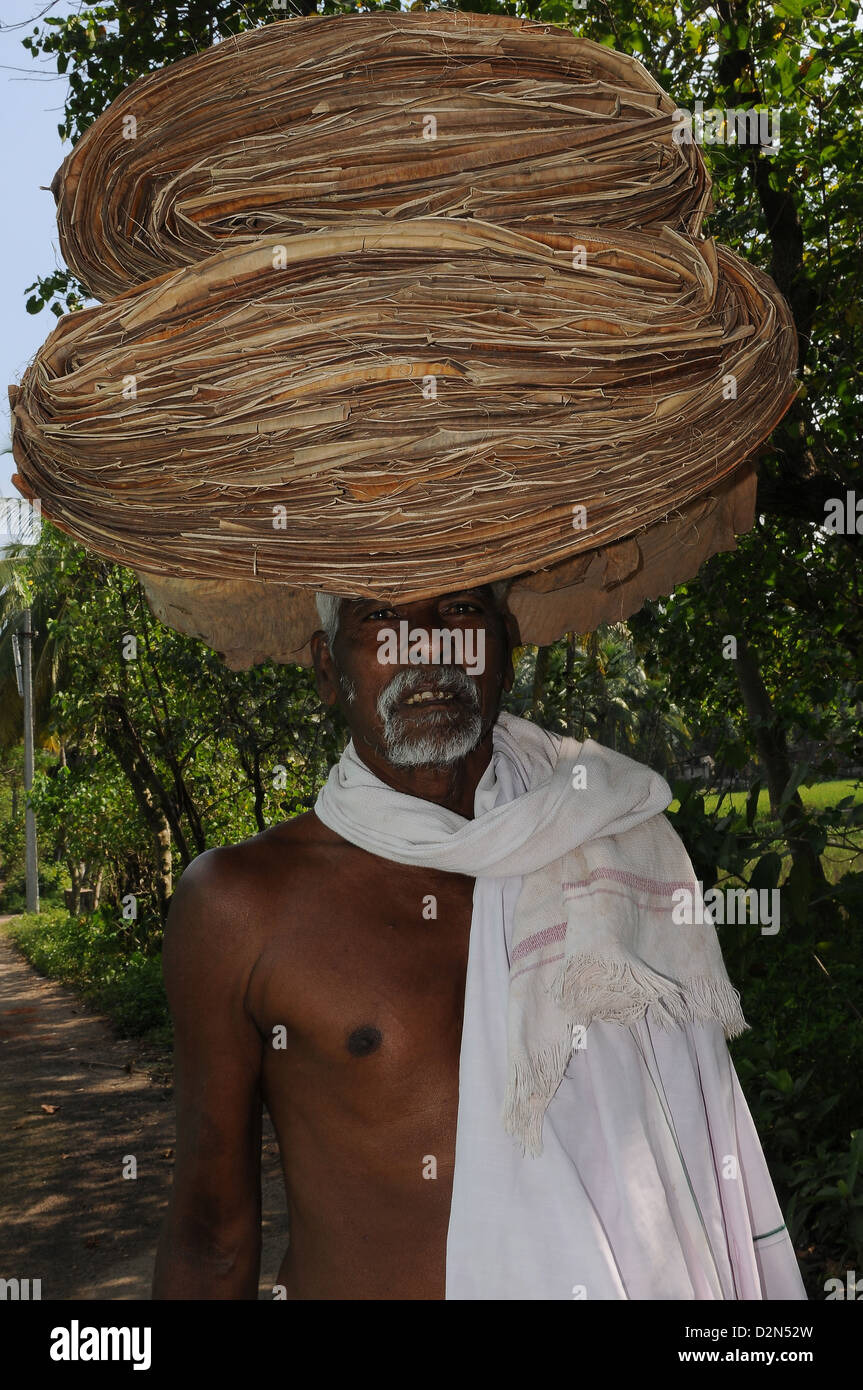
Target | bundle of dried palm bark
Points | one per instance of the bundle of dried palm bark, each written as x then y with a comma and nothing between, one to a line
385,363
377,408
305,125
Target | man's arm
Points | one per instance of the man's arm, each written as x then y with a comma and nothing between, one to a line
210,1245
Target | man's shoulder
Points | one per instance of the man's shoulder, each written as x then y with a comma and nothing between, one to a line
231,899
259,864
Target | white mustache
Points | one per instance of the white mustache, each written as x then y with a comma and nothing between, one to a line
404,683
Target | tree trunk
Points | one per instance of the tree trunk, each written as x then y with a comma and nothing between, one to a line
164,867
599,693
769,740
540,678
568,684
259,790
154,816
124,742
75,876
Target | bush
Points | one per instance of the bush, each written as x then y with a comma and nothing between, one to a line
797,1064
94,955
53,881
134,999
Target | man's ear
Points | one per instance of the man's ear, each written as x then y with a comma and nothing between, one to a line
326,679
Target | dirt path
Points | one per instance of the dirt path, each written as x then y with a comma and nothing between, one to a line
74,1102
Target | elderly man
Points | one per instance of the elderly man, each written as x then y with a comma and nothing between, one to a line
459,1114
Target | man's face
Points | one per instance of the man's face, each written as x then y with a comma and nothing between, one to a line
419,683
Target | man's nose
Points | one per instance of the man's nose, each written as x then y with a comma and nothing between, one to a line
422,619
422,644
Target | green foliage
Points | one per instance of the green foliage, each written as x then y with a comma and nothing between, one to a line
797,1064
814,1162
133,996
52,879
99,956
88,801
60,292
150,734
786,596
597,687
824,1212
52,886
11,862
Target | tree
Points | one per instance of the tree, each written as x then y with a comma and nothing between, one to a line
154,736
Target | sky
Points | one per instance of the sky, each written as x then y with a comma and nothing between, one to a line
31,107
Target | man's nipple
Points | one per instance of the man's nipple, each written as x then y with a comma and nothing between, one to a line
364,1040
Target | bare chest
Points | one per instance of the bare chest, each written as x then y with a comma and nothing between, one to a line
359,993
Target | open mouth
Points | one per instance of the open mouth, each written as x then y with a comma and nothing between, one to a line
430,697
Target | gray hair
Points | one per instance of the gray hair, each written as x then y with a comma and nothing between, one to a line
330,606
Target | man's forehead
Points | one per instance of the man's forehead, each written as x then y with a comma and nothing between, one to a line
480,590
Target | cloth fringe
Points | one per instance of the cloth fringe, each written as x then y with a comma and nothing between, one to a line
620,991
588,987
532,1083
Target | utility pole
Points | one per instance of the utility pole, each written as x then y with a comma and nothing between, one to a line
25,635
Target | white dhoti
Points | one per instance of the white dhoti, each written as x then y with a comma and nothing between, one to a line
651,1183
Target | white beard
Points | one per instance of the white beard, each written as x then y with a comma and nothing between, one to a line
433,748
441,742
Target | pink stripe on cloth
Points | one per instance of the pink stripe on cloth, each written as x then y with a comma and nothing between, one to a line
535,965
540,938
615,893
648,885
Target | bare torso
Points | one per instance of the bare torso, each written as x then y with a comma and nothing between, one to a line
358,990
326,983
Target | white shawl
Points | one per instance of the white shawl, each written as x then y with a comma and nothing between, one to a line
572,943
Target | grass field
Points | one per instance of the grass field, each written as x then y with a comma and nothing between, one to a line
821,795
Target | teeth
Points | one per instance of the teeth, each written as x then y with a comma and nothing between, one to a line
428,695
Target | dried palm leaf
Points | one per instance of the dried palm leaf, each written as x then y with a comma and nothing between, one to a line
313,123
345,356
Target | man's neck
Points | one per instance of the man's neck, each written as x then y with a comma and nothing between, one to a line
453,787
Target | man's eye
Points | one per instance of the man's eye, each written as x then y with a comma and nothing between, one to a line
465,606
378,614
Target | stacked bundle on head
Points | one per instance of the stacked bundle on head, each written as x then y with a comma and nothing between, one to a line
412,358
